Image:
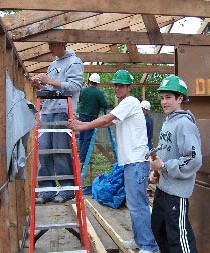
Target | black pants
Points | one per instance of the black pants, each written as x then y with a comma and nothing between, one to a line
170,224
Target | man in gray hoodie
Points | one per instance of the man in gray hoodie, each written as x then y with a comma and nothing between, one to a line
65,73
177,163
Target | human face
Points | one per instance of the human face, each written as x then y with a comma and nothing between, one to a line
122,91
57,49
169,102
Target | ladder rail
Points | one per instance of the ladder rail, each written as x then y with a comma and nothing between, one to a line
77,179
33,185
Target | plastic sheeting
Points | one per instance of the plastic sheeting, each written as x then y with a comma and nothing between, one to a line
20,119
108,189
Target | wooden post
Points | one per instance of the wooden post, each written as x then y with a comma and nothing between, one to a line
4,205
143,93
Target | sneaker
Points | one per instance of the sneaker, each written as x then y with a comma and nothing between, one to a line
131,244
60,199
41,200
146,251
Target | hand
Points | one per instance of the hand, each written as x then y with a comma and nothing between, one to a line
156,164
43,79
36,84
77,125
153,178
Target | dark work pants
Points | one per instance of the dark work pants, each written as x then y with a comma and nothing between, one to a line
85,138
170,224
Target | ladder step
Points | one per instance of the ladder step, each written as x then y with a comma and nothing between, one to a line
74,251
54,123
54,151
48,178
64,130
57,189
56,226
72,201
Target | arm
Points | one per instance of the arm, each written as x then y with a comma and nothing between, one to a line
103,121
188,160
103,102
71,79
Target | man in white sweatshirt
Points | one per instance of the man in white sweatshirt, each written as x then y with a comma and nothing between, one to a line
65,73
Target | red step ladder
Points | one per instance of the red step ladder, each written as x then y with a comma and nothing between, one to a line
81,215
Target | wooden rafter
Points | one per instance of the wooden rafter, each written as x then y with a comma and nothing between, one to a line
113,68
192,8
113,57
116,37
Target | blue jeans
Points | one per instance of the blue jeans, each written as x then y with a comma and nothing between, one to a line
55,164
136,181
85,138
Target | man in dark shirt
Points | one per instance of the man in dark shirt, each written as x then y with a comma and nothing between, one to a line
145,105
91,101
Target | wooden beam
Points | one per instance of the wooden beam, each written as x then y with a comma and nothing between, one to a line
93,237
112,57
152,28
113,69
24,18
159,7
49,23
156,51
4,201
109,229
116,37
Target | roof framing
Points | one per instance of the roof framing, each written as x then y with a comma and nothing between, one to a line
97,30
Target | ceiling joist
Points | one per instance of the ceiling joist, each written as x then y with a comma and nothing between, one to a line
193,8
116,37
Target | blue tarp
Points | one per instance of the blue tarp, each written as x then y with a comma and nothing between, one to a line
108,189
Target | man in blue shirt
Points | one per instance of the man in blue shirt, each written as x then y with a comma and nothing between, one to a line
145,105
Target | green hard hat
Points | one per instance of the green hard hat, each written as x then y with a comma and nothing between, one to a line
122,77
176,84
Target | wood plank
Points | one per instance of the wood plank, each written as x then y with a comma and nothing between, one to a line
156,51
106,240
3,170
112,57
24,18
109,229
152,28
93,237
159,7
113,69
10,44
116,37
4,222
49,23
13,218
21,206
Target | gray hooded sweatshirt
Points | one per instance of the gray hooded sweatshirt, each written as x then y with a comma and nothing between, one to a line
181,153
69,70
